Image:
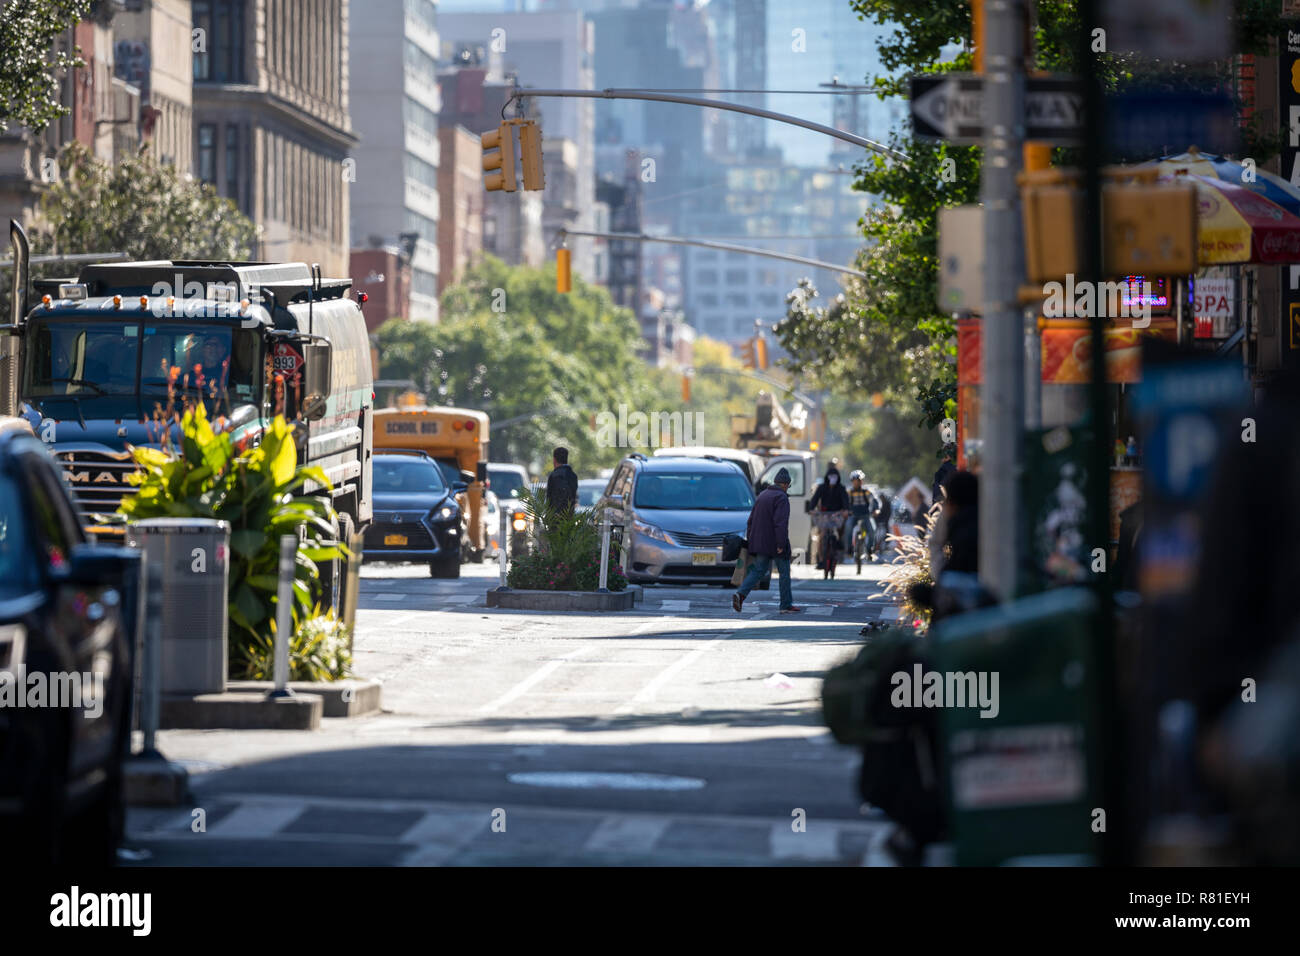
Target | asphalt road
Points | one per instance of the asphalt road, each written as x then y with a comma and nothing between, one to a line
676,733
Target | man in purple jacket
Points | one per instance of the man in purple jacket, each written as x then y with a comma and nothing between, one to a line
769,540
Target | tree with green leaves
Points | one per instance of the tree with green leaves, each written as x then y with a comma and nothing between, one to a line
885,333
138,206
29,89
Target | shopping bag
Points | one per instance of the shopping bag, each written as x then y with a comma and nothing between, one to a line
742,565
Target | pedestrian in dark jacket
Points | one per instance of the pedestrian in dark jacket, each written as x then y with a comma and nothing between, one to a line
941,476
768,536
562,483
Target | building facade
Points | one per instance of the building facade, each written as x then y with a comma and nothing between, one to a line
460,193
271,121
395,105
546,49
153,45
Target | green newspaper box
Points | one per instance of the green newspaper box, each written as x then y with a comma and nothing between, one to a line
1020,758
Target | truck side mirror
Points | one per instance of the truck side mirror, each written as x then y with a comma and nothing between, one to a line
317,357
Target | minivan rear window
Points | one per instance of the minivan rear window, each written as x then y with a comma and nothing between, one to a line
693,491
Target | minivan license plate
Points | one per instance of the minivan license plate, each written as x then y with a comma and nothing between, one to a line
394,539
704,557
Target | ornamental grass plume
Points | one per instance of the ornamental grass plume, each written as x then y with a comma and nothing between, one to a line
911,566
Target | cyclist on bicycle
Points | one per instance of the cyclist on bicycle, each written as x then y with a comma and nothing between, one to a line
830,502
860,505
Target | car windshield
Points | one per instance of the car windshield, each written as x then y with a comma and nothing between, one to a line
694,491
588,495
408,475
505,482
450,470
17,572
87,359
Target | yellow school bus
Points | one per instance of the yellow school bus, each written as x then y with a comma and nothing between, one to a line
457,439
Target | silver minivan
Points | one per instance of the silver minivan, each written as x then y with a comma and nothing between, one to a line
671,515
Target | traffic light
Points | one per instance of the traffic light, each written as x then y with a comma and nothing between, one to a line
563,276
530,155
499,158
747,355
760,351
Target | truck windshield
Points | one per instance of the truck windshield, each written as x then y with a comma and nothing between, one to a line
86,359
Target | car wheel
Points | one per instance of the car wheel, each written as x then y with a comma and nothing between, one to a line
446,568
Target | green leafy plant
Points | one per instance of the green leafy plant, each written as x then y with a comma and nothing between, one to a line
566,551
320,650
259,491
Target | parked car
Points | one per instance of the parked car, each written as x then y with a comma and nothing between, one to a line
673,514
416,517
590,491
508,481
68,611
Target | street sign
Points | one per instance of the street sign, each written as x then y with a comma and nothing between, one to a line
961,259
950,107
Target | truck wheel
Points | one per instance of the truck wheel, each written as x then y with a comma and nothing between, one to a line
446,568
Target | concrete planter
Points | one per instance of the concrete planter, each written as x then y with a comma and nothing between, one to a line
344,698
561,600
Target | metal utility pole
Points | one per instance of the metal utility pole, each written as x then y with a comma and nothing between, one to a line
1002,413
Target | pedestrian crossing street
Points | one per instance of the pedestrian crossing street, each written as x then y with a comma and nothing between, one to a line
308,830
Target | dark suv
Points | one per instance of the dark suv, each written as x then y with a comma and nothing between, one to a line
416,517
67,613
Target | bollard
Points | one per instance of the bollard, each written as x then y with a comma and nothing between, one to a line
503,551
604,551
151,664
284,617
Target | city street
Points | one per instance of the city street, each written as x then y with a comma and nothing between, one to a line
676,733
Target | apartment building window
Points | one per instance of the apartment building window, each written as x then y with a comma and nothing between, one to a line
421,172
740,300
424,283
707,277
208,153
424,12
232,163
708,299
426,227
420,116
737,277
222,23
421,66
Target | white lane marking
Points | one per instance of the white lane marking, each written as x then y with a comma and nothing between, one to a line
822,610
257,819
390,597
648,692
440,836
627,834
536,677
675,605
819,842
891,613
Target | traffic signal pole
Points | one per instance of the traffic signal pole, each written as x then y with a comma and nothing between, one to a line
725,247
662,97
1002,412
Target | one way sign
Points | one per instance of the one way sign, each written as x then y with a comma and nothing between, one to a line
951,107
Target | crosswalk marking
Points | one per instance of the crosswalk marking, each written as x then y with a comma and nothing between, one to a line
443,831
627,834
539,675
675,605
439,836
256,820
819,842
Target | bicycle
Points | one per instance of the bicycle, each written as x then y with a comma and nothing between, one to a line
862,541
828,524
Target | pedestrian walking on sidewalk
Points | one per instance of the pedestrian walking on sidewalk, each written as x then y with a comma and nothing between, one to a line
768,535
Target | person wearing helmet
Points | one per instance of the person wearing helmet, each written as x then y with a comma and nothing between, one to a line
860,508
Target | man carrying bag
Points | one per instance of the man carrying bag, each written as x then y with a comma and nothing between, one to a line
768,538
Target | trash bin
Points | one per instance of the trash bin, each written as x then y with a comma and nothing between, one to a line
188,562
1023,782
